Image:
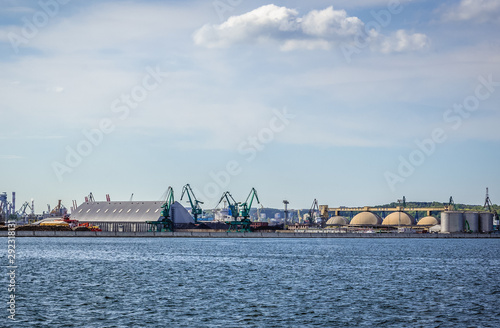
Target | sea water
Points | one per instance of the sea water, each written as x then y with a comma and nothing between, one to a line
190,282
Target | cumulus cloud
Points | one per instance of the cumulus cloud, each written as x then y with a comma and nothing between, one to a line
265,22
401,41
474,10
330,23
317,29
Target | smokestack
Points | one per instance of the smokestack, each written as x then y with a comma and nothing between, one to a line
13,202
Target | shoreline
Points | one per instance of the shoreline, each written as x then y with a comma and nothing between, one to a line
278,234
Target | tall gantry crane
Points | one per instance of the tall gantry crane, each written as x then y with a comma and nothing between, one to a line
234,208
247,205
22,210
4,206
165,222
195,203
245,209
231,203
313,210
489,206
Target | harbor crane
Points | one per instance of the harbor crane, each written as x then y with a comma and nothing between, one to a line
195,203
313,210
22,210
489,206
232,204
247,205
245,209
165,222
234,224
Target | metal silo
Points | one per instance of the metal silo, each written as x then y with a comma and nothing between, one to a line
452,222
472,219
485,222
445,222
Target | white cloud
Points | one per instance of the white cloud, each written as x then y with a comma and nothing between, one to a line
474,10
305,44
329,22
265,21
318,29
10,157
401,41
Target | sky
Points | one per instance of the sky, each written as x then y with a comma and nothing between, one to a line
352,103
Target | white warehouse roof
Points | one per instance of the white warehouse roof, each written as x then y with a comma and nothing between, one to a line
135,211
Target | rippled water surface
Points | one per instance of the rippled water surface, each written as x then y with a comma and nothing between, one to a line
115,282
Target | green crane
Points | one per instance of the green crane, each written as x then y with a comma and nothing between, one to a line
245,210
232,204
164,223
247,205
235,225
195,203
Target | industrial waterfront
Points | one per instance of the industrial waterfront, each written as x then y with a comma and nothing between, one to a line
154,218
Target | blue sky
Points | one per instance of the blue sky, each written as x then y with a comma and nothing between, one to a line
352,103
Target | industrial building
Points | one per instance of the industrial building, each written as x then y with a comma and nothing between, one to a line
455,221
129,216
450,222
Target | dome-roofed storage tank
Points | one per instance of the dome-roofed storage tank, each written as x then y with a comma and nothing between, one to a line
366,218
452,221
472,219
336,221
485,222
428,221
399,218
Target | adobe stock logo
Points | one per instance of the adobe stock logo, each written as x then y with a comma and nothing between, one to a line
361,40
222,7
454,120
41,18
121,107
248,149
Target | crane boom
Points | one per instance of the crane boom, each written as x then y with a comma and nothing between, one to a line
165,213
232,204
164,223
314,209
195,205
247,205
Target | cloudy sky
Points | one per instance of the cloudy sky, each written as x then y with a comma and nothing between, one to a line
350,102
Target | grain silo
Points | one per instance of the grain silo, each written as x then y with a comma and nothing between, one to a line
472,220
485,222
452,221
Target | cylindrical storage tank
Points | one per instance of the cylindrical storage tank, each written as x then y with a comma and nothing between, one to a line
485,222
473,219
452,222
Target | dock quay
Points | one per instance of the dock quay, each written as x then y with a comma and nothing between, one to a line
277,234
